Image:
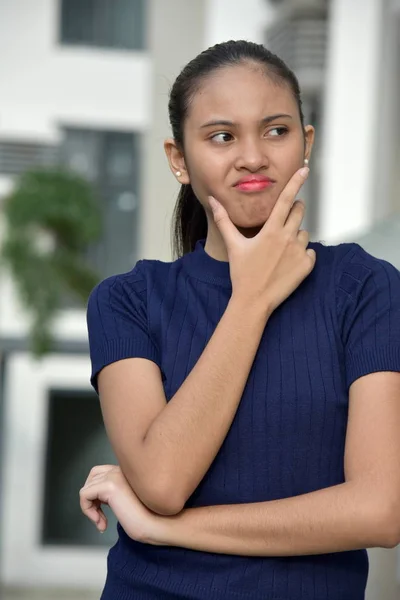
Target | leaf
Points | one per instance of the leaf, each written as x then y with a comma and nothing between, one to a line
64,206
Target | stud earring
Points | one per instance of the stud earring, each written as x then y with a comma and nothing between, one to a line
178,174
306,161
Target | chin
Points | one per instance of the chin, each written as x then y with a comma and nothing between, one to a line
249,230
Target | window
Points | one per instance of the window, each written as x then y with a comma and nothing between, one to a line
104,23
76,441
109,160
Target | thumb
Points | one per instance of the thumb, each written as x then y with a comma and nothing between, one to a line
223,222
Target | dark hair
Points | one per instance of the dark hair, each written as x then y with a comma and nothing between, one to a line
189,223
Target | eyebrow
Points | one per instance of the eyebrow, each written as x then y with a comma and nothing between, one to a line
264,121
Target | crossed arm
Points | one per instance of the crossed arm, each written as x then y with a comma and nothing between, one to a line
363,512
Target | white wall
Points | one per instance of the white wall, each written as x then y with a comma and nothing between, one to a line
25,561
236,19
43,84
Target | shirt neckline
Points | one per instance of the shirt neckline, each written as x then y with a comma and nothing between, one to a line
200,265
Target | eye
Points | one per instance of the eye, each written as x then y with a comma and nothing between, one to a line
222,137
279,131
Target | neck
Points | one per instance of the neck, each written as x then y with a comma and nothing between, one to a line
215,245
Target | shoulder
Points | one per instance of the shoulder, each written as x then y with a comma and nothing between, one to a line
367,303
144,274
130,291
359,274
114,290
351,267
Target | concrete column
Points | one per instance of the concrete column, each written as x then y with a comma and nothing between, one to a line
349,170
176,35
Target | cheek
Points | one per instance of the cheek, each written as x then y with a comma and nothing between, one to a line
289,163
290,154
205,174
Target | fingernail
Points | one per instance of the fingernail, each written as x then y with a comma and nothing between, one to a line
304,172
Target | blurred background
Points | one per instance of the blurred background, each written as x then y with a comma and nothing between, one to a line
85,192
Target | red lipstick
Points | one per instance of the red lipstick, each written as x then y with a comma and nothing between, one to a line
254,183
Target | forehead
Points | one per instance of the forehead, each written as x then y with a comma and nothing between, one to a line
240,92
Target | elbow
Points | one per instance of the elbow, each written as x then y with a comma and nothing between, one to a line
164,501
392,535
391,539
162,498
388,530
161,495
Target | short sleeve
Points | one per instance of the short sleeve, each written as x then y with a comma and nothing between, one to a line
117,322
368,308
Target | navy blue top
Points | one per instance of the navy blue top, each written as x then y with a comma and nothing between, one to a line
288,435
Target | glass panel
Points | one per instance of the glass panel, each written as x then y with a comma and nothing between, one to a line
120,231
119,158
76,442
109,161
120,185
77,21
81,153
104,23
127,24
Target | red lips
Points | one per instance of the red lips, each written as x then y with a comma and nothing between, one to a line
254,183
255,179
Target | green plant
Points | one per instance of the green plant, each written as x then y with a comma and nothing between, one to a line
51,217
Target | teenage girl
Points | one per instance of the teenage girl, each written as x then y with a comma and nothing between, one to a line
250,388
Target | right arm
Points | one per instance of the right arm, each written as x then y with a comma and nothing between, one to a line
165,449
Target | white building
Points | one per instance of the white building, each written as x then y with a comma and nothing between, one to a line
86,83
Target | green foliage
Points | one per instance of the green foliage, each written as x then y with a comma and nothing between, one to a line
51,217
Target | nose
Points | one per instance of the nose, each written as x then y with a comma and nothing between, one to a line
251,154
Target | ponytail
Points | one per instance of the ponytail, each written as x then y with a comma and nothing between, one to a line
189,222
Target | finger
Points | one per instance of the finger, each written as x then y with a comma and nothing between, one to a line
97,516
90,498
227,229
303,237
313,255
101,519
284,203
296,216
91,507
102,524
92,514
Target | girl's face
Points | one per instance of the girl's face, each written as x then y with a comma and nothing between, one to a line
241,124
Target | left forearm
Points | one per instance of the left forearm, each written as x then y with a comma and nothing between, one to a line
333,519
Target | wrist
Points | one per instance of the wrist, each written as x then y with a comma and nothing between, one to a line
258,308
160,531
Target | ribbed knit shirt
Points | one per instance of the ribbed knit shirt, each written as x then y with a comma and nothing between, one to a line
288,434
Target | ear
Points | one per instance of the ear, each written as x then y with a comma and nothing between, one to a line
176,161
309,137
